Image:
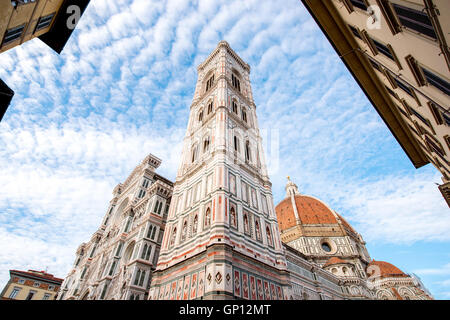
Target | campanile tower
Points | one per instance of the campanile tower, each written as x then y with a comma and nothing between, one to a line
221,239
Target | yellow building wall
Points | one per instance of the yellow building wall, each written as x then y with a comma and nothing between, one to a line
25,14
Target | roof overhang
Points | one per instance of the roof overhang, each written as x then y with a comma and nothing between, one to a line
64,24
6,94
334,28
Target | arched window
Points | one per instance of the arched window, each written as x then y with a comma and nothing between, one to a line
246,225
209,83
141,280
149,251
144,251
184,231
210,108
132,297
233,217
235,82
244,115
236,144
138,275
194,154
206,145
174,234
247,151
258,230
194,225
269,236
200,116
149,233
234,107
208,217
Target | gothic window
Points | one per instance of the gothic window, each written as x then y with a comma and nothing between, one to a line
145,183
232,179
245,192
244,115
257,230
269,236
132,297
200,116
141,193
194,154
236,144
111,270
159,207
254,199
233,217
174,234
149,232
206,145
246,224
210,83
195,224
234,107
141,281
247,151
105,287
207,217
210,108
119,249
184,231
138,275
146,252
155,209
264,204
128,225
235,82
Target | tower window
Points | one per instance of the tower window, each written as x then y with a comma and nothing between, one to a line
194,154
269,236
208,217
206,145
210,107
234,107
200,116
194,225
244,115
247,151
210,83
235,82
236,144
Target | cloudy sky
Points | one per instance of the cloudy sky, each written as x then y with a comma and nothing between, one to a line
81,121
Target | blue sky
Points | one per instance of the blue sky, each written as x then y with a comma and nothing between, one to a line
81,121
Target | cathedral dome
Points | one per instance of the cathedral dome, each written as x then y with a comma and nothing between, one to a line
384,269
310,211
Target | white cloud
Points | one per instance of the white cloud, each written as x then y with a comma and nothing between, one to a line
81,121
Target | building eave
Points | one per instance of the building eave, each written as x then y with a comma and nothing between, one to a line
57,37
334,28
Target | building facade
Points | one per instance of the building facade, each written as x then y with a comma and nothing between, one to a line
31,285
397,51
222,237
118,261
